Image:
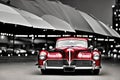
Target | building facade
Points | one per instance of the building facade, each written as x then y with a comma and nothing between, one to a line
116,16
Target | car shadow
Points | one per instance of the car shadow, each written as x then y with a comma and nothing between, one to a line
76,73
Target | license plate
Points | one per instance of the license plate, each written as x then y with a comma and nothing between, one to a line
69,69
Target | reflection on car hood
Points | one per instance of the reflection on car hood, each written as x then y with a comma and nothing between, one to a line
75,48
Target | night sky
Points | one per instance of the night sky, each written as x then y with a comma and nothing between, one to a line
102,9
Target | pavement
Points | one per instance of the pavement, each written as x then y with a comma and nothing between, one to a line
28,71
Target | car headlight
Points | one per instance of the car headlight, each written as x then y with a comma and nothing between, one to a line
42,55
96,56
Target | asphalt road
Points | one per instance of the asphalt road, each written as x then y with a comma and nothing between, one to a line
28,71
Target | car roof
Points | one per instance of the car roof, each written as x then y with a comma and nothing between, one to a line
72,38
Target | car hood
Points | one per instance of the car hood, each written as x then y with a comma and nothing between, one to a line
76,48
73,51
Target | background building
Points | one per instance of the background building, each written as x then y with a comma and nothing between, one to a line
116,16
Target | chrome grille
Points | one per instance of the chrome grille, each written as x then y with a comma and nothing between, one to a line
82,63
77,63
56,63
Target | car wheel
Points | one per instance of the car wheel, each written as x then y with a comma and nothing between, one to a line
96,71
43,71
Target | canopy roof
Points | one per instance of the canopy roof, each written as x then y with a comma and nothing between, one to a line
34,20
77,19
9,15
58,23
16,16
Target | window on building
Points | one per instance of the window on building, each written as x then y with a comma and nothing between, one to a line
116,29
111,46
100,39
113,6
116,10
85,35
111,39
114,13
116,24
90,36
111,26
118,15
106,39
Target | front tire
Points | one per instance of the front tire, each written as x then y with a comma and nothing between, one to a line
96,71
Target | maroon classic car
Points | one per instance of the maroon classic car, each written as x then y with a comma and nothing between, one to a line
69,55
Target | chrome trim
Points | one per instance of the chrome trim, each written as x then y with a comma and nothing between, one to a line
93,65
44,66
69,60
54,67
97,67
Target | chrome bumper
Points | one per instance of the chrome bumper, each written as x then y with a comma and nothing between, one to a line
96,67
93,67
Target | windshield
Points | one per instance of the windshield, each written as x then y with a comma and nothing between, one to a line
69,43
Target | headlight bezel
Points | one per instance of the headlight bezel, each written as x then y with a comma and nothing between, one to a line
96,56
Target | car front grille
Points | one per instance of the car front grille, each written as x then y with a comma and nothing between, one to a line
77,63
56,63
82,63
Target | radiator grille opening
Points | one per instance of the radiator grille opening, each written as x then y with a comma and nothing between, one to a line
57,63
77,63
82,63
